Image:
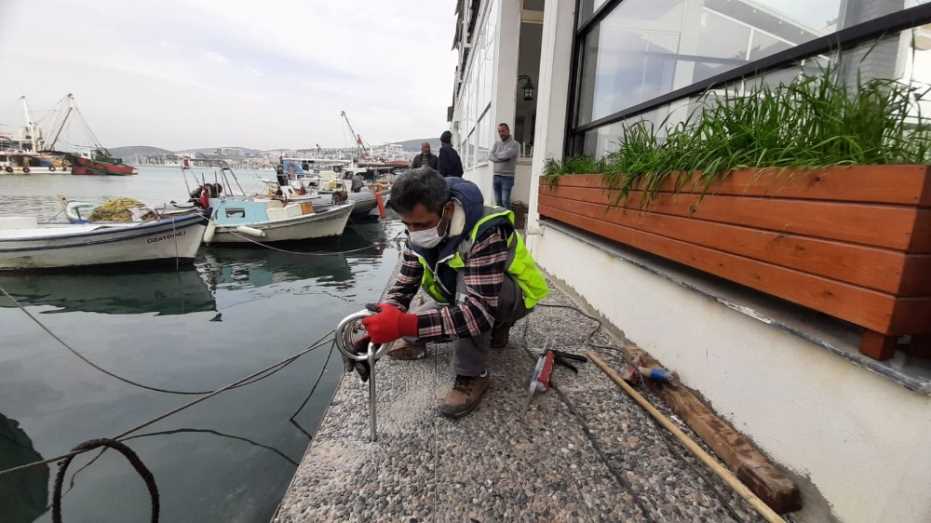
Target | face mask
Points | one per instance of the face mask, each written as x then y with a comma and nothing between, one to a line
428,238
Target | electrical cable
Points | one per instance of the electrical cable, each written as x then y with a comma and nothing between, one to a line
589,340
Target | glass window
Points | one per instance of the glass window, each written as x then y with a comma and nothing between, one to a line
644,49
477,87
587,8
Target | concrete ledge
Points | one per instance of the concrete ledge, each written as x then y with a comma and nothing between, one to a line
584,452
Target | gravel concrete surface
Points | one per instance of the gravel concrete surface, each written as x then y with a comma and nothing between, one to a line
583,452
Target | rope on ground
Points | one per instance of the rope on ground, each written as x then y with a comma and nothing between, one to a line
240,382
128,381
134,460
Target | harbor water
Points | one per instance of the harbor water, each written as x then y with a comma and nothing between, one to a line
237,310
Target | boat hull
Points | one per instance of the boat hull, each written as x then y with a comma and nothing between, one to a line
326,224
163,240
85,167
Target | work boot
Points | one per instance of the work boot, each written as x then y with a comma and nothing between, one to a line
465,395
499,335
401,350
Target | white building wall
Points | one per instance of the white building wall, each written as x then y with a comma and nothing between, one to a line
859,437
552,97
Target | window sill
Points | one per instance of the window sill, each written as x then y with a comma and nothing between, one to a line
836,336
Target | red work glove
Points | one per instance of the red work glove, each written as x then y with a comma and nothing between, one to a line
390,324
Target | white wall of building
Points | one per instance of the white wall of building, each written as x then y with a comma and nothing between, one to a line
552,96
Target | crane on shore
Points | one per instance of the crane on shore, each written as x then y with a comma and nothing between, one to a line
363,148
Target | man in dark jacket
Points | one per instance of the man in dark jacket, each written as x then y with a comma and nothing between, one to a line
449,163
425,158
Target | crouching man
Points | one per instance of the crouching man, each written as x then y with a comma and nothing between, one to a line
472,263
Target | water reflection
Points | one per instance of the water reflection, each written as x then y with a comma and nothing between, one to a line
23,494
160,292
229,459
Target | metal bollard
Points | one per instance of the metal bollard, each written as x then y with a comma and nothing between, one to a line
372,354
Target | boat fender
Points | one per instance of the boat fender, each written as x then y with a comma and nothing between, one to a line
25,170
73,211
204,199
211,230
9,169
251,231
51,168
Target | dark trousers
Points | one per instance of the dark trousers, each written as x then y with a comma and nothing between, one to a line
471,354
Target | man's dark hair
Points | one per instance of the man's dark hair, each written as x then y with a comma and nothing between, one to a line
422,185
506,126
446,137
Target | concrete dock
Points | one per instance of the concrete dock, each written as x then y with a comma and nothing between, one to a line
584,452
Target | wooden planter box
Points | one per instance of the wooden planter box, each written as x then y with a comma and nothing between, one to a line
851,242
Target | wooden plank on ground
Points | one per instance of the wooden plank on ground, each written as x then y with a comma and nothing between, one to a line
740,455
894,184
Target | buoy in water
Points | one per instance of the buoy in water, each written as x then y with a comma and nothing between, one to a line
380,202
210,231
251,231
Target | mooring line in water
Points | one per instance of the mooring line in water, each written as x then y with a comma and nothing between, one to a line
308,253
131,456
302,253
238,383
184,430
310,394
128,381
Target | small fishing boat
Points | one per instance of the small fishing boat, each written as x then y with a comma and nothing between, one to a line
236,217
22,162
327,177
100,163
26,244
239,219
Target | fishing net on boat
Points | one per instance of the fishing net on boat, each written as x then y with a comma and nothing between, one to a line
119,210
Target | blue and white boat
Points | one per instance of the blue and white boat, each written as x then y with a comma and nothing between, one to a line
236,217
239,219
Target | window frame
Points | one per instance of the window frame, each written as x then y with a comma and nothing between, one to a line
849,37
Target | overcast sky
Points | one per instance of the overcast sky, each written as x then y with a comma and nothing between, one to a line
198,73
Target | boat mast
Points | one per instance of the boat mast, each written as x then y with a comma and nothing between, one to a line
64,121
31,129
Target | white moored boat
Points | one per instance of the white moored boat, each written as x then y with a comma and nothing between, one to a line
25,244
237,220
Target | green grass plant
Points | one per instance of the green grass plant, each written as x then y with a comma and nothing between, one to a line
814,122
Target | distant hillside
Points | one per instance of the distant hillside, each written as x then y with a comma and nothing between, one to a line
242,151
138,150
414,145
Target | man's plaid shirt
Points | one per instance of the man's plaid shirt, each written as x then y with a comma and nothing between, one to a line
483,276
